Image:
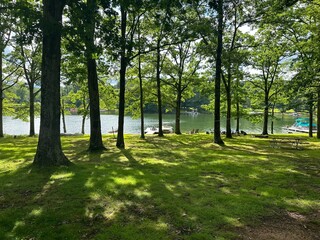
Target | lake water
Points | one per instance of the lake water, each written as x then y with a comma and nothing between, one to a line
202,122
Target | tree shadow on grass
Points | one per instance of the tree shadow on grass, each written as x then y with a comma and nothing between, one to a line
155,192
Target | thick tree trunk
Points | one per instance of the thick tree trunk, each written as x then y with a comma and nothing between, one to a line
49,150
31,110
178,111
96,143
141,100
265,115
318,114
217,103
160,134
123,65
1,96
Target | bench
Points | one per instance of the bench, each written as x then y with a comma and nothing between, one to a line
293,142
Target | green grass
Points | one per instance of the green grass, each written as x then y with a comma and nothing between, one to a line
177,187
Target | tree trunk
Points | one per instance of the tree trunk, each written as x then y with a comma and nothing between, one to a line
83,123
217,130
310,115
238,117
228,123
178,111
49,150
265,114
123,65
160,134
31,110
272,116
141,99
96,143
1,96
63,117
318,114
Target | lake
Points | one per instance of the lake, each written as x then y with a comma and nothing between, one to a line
202,122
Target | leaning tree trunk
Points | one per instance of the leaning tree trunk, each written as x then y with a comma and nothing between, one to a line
160,134
123,65
1,97
217,103
49,150
31,110
178,111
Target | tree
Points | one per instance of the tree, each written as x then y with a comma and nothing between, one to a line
217,131
49,150
130,14
234,55
95,122
267,60
30,63
5,34
180,73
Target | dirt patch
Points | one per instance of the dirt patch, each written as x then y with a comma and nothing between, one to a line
284,226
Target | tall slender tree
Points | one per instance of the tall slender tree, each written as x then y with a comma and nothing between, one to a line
218,74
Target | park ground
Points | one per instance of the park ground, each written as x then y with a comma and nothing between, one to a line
176,187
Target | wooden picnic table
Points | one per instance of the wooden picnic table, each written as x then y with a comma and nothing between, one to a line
294,142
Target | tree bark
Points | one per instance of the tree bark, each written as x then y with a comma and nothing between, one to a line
272,117
49,150
158,79
318,114
238,117
265,114
217,103
31,110
311,115
178,110
228,120
83,124
123,65
96,143
63,117
141,99
1,96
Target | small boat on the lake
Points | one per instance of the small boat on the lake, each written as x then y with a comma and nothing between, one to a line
301,125
155,130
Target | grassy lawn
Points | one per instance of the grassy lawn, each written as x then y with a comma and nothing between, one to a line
177,187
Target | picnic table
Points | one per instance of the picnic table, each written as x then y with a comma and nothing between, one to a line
293,142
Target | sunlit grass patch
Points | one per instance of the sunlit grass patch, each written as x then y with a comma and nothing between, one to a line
176,187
